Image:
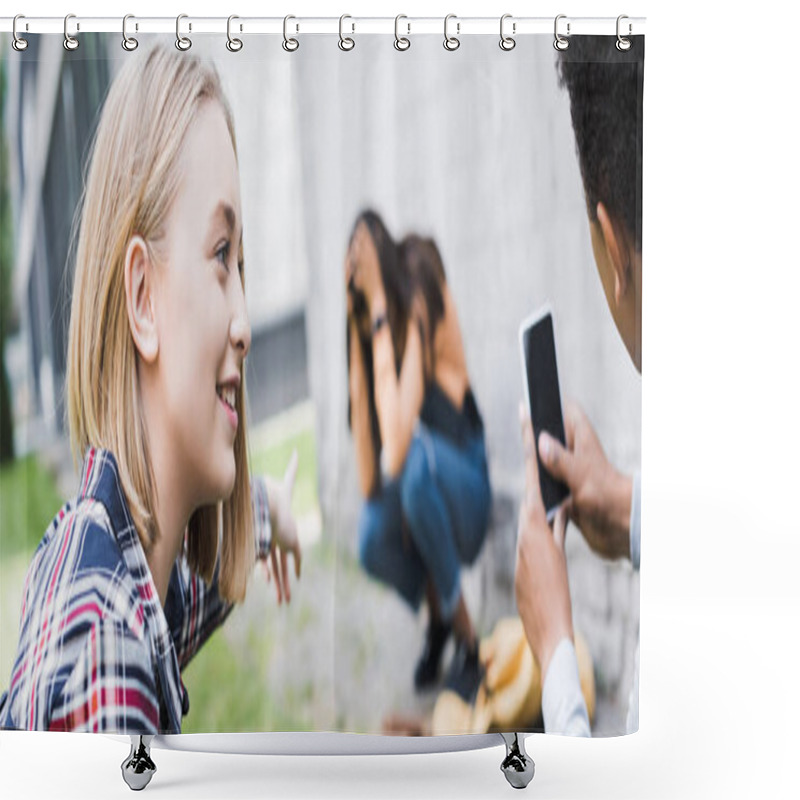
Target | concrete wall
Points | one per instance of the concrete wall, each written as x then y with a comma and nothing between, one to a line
476,149
260,93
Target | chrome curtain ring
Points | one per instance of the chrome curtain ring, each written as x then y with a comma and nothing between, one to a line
18,43
70,42
560,42
289,45
233,44
346,43
401,43
451,42
623,43
183,43
128,42
507,42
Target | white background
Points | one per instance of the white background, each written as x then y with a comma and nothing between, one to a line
720,605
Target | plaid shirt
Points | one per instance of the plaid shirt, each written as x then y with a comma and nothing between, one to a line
97,651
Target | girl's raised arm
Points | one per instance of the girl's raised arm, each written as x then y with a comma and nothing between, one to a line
359,412
197,604
398,398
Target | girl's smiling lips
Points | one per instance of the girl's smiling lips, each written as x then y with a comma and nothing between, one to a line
226,393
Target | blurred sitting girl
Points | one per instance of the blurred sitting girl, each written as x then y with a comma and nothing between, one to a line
418,437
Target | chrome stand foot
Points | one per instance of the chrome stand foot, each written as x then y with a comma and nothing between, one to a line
517,766
138,768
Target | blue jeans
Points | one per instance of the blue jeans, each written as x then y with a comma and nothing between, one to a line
442,499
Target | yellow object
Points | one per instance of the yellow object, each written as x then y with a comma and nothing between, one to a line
586,674
510,697
482,713
517,703
451,715
501,653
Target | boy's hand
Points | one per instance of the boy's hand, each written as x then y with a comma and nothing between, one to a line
600,502
541,584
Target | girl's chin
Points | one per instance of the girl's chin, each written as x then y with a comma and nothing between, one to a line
225,476
229,483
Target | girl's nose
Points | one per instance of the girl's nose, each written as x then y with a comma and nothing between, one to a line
240,327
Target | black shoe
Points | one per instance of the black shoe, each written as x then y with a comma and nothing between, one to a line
426,673
465,673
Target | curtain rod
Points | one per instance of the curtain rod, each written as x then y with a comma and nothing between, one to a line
461,26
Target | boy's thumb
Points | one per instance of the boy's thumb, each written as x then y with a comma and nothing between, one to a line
555,457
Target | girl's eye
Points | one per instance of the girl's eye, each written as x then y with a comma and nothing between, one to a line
222,254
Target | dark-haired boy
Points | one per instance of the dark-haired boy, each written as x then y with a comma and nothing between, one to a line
605,91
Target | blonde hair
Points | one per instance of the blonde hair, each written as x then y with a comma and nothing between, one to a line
131,184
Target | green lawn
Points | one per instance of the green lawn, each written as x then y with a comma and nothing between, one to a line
273,458
227,693
28,502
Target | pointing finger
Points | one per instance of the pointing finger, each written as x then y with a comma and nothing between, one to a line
298,555
276,573
285,575
291,473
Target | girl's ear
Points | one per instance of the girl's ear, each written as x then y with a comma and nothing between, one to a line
139,298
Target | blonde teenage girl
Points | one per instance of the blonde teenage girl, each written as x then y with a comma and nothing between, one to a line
138,570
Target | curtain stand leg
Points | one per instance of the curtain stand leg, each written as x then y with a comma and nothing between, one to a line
517,766
138,768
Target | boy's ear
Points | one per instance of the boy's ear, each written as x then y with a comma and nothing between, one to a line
617,253
139,298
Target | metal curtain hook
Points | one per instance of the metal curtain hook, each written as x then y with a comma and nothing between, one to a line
128,42
346,43
507,42
18,43
181,42
451,42
234,45
289,45
623,43
560,42
70,42
401,42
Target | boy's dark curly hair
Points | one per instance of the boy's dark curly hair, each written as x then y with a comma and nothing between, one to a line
605,93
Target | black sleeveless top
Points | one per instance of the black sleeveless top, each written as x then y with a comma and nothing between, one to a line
439,414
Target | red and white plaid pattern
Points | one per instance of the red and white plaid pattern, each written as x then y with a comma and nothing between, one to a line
97,652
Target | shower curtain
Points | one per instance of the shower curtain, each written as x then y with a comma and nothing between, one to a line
350,307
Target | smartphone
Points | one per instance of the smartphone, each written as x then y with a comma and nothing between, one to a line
540,377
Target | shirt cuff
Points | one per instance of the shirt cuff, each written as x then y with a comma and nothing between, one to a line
563,706
261,521
635,524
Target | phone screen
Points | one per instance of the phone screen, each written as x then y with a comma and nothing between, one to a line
544,400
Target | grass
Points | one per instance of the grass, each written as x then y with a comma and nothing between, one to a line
227,690
273,459
29,500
